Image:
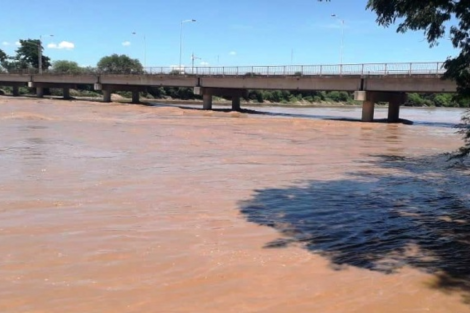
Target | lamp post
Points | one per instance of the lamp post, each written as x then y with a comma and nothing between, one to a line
40,53
342,36
145,48
181,38
193,57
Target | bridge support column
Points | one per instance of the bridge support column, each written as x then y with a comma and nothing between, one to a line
207,101
66,92
394,107
106,95
368,108
369,98
135,97
16,91
236,103
39,92
393,112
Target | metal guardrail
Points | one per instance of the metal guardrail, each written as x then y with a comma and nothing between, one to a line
366,69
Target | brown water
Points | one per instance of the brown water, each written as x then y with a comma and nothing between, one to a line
120,208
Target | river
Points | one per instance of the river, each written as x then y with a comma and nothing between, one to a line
125,208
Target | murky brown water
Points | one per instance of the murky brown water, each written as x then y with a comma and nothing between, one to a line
119,208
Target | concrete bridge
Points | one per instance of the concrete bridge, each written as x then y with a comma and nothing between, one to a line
371,83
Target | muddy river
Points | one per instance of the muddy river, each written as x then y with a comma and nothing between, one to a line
125,208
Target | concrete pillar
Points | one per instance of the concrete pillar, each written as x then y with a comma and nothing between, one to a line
236,103
66,93
39,92
16,91
368,111
393,111
135,97
106,95
207,102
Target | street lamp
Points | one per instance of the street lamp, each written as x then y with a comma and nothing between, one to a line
181,38
342,36
40,52
193,57
145,48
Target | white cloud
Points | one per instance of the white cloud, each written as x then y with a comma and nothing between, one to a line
204,63
5,43
126,43
233,53
62,45
17,43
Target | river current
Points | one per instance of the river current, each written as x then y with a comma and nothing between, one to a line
126,208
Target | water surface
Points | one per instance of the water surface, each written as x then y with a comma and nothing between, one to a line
122,208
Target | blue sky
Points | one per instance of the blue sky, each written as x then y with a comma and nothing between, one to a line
241,32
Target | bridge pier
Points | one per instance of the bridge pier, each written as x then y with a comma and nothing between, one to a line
40,92
369,98
207,94
236,103
106,95
207,101
368,108
135,97
66,93
16,91
394,107
393,112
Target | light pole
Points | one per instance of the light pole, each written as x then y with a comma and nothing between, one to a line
193,57
342,36
40,53
145,48
181,38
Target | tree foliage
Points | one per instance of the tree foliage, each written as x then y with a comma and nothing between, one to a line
120,64
3,56
3,59
66,67
27,55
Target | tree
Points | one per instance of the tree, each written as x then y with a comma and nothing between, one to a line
27,55
3,56
120,64
3,59
66,67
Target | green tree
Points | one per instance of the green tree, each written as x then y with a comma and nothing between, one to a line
66,67
3,56
120,64
3,59
444,100
27,55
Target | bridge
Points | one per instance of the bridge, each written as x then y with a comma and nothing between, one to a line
371,82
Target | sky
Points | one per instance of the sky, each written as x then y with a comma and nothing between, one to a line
226,33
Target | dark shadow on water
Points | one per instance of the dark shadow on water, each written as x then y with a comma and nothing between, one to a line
277,114
419,217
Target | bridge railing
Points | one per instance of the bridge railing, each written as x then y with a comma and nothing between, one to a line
366,69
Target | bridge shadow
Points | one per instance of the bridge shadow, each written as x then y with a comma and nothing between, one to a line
418,216
277,114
